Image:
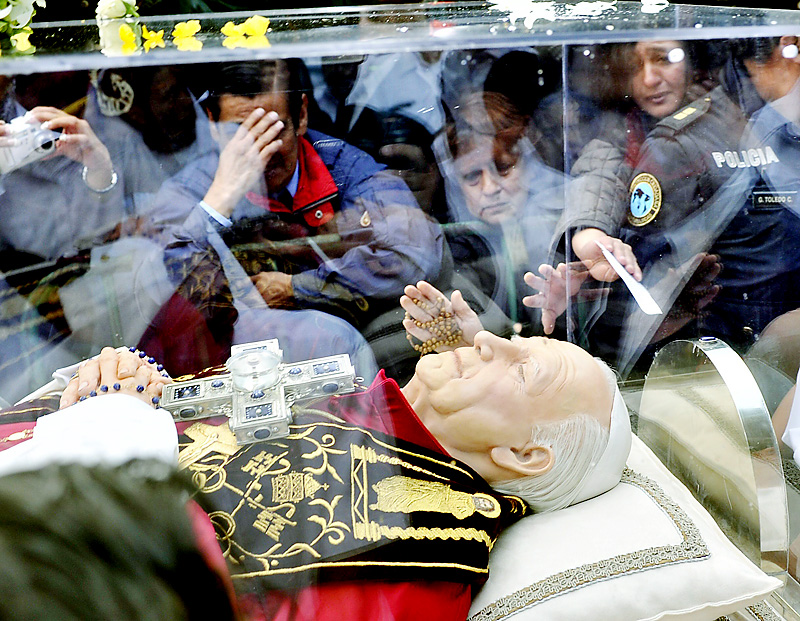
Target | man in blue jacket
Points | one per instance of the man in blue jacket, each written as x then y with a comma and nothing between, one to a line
314,222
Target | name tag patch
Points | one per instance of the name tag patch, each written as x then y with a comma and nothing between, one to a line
782,199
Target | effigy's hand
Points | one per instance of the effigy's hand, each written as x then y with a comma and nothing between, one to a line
584,244
439,323
117,371
556,286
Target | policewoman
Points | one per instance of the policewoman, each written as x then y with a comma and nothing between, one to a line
707,184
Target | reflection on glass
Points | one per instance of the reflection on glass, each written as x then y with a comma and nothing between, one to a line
703,416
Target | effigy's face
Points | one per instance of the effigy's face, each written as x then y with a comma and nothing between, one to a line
491,176
493,393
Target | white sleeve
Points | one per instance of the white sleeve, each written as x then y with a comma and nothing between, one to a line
226,222
107,430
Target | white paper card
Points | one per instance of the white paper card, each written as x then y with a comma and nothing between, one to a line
639,293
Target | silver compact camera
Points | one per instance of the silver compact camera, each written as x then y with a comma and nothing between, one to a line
258,391
32,143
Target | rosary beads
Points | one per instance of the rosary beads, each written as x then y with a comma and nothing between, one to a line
443,327
117,386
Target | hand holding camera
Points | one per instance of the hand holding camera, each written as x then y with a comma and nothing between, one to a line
45,131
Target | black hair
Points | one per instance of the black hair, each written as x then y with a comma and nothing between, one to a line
103,543
251,78
758,49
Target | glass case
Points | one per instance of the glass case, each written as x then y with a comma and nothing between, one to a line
619,175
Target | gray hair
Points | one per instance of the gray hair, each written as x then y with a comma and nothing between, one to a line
578,442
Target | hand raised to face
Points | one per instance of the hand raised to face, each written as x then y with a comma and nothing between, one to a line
117,371
244,158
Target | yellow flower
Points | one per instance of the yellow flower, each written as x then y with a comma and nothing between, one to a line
250,33
233,42
128,37
232,30
253,42
256,26
188,44
21,43
152,39
186,29
183,36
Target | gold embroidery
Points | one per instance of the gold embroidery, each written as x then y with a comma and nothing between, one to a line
261,464
323,448
295,522
374,532
450,464
328,564
400,494
294,487
370,455
18,435
397,495
272,523
207,439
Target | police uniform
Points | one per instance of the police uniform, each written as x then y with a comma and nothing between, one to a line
700,187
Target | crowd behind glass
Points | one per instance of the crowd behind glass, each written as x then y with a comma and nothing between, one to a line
185,209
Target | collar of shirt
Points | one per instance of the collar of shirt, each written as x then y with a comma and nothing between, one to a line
314,190
291,188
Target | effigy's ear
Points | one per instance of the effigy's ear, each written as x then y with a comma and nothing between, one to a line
530,460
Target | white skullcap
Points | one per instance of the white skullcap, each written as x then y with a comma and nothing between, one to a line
608,471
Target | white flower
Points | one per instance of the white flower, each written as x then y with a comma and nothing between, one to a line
111,9
18,13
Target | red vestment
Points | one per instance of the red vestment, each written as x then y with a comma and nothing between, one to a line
381,408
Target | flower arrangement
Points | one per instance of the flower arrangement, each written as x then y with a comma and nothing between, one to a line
15,20
120,33
251,33
183,36
115,9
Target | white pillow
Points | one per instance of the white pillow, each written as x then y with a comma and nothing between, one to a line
645,550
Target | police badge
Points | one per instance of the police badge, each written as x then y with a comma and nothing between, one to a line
645,199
